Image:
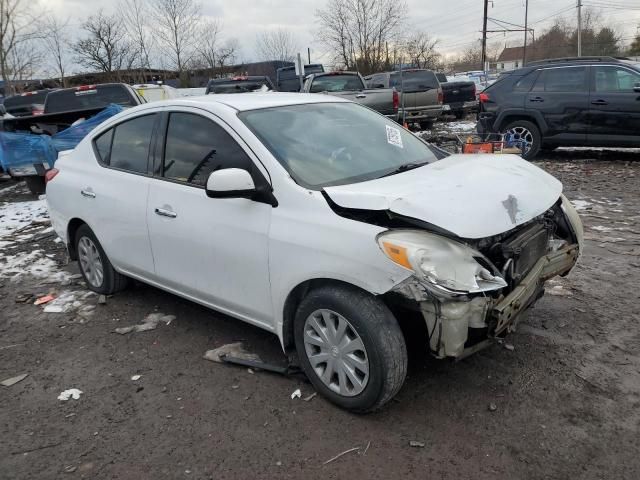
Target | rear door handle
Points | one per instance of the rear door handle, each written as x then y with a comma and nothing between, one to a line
536,99
166,213
88,193
599,102
361,95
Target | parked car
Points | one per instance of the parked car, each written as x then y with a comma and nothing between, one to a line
239,84
318,220
155,93
459,96
63,108
421,98
288,81
27,103
586,101
351,85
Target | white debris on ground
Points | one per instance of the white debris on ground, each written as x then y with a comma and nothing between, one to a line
71,393
71,301
150,322
13,380
235,350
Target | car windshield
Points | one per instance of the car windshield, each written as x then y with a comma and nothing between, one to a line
238,86
325,144
99,96
336,83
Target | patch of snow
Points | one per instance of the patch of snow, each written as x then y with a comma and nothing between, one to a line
14,216
34,264
460,126
71,393
581,204
601,228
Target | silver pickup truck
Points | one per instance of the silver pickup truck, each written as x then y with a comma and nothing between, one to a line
351,85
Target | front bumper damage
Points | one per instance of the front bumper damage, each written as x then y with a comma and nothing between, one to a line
450,319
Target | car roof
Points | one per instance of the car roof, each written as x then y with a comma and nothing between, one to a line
254,101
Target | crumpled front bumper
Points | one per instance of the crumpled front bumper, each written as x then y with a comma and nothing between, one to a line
449,320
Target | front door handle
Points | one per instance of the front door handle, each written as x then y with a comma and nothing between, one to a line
536,99
361,95
88,193
599,102
166,213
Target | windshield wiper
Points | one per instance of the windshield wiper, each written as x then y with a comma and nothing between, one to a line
403,168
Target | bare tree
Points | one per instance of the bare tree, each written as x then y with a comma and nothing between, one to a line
136,25
359,31
56,42
227,53
106,48
177,23
276,45
208,46
421,50
18,53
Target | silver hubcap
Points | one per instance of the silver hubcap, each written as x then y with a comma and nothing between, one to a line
521,136
90,262
336,352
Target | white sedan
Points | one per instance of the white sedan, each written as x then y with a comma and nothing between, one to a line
319,220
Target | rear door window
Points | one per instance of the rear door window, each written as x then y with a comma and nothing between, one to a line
195,146
130,144
565,79
414,81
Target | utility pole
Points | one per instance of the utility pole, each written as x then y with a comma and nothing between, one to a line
579,28
526,25
484,34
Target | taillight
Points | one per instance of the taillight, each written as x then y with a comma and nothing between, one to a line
50,175
440,96
483,97
84,88
396,100
37,109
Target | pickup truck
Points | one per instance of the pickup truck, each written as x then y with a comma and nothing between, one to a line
459,95
242,84
351,85
62,108
288,81
420,94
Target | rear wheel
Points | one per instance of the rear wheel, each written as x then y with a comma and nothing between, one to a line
95,267
35,184
527,135
351,347
426,124
459,114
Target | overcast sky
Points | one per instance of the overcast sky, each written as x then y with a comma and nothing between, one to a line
455,23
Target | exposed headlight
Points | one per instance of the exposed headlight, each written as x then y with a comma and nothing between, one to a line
442,263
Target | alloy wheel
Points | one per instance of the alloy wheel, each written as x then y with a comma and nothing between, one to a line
336,352
90,262
521,135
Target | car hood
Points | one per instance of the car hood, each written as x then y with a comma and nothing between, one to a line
471,196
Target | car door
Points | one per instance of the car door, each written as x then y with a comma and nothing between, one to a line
561,96
114,197
614,109
213,250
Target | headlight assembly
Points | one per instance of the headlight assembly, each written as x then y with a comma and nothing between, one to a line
442,263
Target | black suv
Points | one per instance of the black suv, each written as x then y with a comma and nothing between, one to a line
586,101
239,84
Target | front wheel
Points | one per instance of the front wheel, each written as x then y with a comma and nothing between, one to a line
526,135
350,347
95,267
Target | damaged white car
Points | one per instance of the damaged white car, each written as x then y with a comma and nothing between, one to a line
319,220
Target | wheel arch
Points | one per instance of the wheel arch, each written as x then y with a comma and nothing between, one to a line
72,227
295,297
532,116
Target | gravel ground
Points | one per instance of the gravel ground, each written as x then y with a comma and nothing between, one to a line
566,396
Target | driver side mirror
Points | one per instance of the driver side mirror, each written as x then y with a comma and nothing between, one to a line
230,183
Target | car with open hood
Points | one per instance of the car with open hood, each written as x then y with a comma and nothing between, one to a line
319,220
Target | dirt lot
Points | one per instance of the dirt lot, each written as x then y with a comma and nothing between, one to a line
567,396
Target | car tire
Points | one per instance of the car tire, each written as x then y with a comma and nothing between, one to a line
459,114
426,124
95,267
379,367
35,184
530,132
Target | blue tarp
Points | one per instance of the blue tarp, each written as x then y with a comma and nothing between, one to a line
26,149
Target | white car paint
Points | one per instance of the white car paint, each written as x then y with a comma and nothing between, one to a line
243,257
468,195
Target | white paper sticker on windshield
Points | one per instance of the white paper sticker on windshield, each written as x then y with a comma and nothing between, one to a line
393,136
